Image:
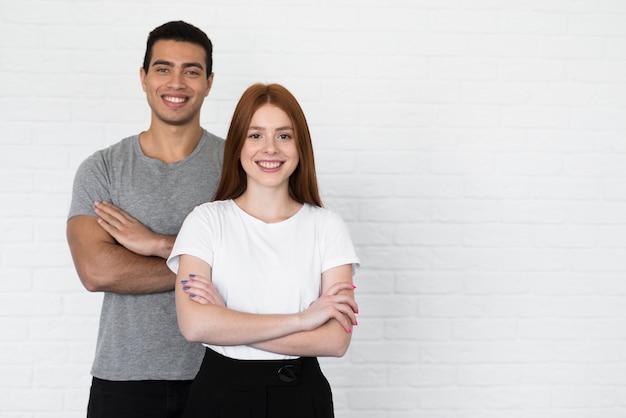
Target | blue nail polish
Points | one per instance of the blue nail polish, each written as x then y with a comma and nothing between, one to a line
185,287
192,296
192,275
184,281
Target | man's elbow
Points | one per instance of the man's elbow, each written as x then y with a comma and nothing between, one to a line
91,279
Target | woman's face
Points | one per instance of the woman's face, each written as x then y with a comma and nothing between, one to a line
269,155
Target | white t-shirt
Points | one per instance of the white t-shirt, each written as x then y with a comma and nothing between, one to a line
264,268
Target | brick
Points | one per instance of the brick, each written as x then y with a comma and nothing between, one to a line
387,399
522,351
427,282
483,21
423,329
422,376
489,375
400,352
585,398
454,352
531,165
485,329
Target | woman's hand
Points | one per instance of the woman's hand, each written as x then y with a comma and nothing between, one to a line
200,289
332,305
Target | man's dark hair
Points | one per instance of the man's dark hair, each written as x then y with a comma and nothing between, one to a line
181,32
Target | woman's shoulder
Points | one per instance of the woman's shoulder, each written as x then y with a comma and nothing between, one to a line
322,214
217,207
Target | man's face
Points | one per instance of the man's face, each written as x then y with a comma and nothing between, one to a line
176,82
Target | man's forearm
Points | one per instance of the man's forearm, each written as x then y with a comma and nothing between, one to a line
103,265
119,270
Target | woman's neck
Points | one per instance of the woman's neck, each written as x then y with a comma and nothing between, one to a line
268,207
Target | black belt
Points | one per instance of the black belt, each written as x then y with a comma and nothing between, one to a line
253,373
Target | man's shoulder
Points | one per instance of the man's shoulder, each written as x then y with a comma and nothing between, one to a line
123,146
212,139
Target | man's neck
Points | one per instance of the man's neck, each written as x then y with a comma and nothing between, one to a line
170,143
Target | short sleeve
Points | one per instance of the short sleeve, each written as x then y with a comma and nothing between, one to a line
91,183
337,248
196,237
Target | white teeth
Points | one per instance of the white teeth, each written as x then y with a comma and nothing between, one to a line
174,99
269,164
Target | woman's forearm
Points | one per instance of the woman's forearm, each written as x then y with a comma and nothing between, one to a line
329,340
218,325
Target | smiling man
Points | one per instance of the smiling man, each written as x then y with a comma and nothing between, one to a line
128,203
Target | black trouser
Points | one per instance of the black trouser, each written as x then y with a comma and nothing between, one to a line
136,399
230,388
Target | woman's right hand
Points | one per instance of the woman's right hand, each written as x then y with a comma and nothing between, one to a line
200,289
332,305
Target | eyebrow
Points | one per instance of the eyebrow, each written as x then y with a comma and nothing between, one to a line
262,128
171,64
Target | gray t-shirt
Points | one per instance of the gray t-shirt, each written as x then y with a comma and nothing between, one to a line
139,337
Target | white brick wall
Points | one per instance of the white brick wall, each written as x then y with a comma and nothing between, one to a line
477,149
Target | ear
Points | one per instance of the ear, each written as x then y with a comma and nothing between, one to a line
142,77
209,84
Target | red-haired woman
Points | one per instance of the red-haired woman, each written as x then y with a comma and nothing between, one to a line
264,272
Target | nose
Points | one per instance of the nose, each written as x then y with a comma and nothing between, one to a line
269,147
177,80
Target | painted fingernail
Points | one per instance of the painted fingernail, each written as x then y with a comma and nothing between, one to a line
353,286
185,287
192,296
192,275
184,281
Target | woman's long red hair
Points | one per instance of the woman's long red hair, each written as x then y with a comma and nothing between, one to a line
303,181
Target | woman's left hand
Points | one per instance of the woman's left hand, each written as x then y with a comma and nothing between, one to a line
200,289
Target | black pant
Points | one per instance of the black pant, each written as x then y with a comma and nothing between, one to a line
137,399
230,388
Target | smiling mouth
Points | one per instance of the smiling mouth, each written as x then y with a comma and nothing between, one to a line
175,100
269,164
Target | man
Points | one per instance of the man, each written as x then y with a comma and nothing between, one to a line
128,203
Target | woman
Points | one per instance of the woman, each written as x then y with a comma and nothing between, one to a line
264,273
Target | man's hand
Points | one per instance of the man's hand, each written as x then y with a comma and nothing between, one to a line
132,234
